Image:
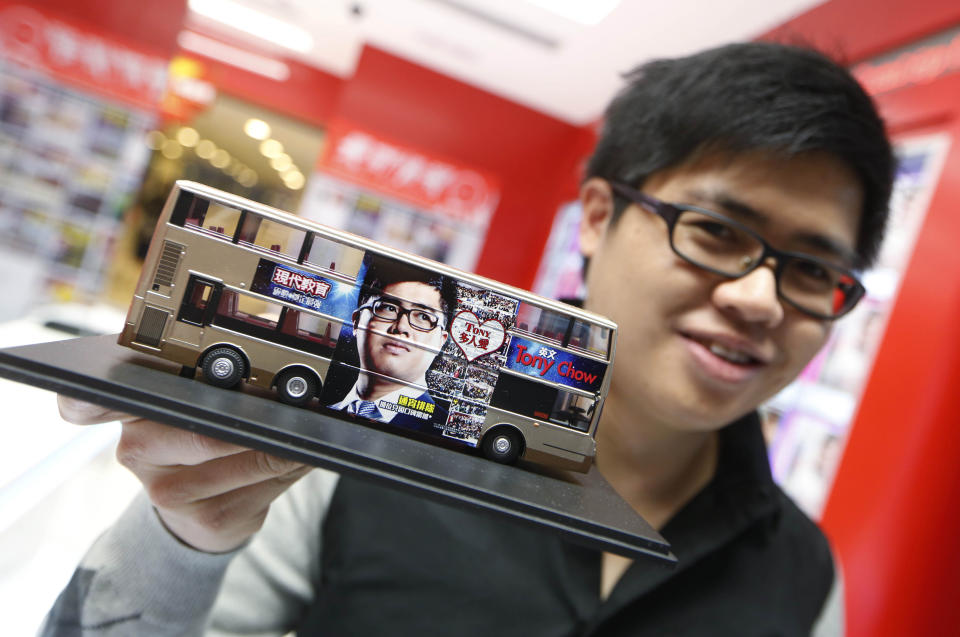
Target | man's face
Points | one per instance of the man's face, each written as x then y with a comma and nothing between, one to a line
696,350
395,348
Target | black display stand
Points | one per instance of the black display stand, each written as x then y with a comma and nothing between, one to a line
583,508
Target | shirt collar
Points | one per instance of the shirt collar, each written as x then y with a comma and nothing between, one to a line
392,397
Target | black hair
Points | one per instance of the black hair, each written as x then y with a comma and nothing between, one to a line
383,272
746,97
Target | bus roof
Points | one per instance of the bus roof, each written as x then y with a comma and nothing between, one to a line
361,242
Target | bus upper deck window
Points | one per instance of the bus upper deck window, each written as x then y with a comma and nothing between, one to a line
220,220
589,337
277,237
189,210
335,256
552,325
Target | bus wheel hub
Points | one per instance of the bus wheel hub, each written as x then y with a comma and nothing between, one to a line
296,387
223,367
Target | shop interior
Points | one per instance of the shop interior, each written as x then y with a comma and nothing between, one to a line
458,131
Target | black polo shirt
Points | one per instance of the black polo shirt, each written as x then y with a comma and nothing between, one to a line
750,563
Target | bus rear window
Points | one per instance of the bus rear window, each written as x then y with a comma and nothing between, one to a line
573,410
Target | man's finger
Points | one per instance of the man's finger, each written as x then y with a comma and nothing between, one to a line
80,412
148,444
189,484
224,522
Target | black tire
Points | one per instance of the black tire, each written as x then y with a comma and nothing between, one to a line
296,386
224,367
502,445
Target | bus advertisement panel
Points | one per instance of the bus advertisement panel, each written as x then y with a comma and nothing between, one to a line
427,345
540,361
306,289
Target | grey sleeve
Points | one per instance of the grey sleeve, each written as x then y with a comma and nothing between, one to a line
269,584
137,579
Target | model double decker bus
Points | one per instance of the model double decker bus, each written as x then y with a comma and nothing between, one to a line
246,293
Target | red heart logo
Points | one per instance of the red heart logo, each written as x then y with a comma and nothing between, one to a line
474,338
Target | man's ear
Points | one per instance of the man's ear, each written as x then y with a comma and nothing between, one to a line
596,199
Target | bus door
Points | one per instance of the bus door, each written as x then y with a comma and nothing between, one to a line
199,302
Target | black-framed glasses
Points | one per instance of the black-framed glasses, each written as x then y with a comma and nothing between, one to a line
390,310
723,246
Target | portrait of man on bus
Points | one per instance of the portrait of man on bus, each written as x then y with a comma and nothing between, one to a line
400,325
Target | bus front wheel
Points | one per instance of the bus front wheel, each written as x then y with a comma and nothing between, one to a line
224,367
296,387
503,445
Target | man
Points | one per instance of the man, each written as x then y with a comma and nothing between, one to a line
401,323
732,198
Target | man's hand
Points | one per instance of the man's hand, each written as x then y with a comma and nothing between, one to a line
212,495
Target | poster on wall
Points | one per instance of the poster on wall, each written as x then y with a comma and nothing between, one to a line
807,423
401,197
75,106
560,275
69,166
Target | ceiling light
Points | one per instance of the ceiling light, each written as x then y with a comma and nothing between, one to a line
257,129
256,23
220,159
206,149
188,136
586,13
281,162
294,181
248,178
271,148
171,149
259,64
155,140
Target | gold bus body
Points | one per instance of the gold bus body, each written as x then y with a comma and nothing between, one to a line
179,252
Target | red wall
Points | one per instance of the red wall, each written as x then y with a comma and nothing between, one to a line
892,514
153,25
534,157
853,30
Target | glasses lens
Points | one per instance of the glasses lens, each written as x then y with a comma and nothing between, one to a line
720,245
386,310
818,287
422,319
419,319
715,243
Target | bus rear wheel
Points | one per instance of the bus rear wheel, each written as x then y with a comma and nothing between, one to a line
296,387
224,367
502,445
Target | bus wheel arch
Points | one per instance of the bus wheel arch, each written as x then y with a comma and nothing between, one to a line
503,443
224,366
297,385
